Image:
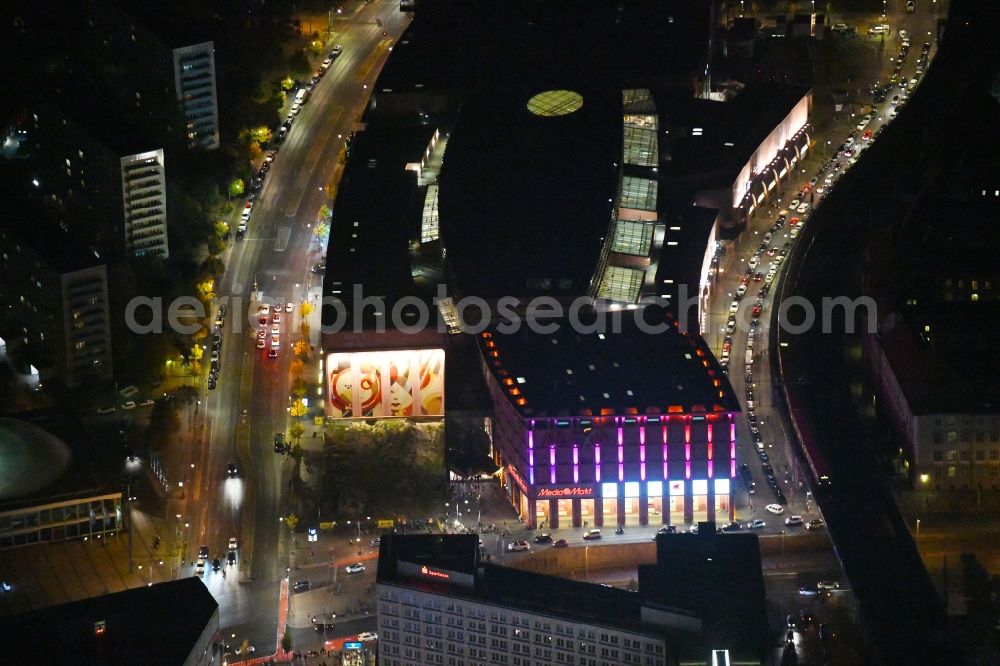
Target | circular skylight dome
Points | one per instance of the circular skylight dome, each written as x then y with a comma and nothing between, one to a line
553,103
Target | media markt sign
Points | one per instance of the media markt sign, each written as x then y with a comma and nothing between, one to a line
566,492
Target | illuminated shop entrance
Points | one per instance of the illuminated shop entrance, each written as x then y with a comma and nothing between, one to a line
565,511
722,500
699,499
541,513
586,513
654,491
676,499
632,503
609,500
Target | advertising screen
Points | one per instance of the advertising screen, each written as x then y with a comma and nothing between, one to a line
385,384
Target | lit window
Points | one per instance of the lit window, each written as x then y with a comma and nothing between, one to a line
654,489
632,489
721,486
609,490
699,487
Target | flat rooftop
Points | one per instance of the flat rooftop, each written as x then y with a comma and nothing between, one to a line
62,451
158,624
525,200
577,372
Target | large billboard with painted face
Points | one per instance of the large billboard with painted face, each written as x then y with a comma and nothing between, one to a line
385,384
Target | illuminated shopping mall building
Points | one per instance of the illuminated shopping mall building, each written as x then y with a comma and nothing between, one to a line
567,161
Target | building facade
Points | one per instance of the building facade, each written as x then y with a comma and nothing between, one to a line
194,81
420,627
439,603
55,310
144,194
942,448
78,518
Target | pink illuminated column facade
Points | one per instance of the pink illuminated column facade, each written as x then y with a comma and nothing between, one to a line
663,469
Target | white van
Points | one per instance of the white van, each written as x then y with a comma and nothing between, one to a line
748,357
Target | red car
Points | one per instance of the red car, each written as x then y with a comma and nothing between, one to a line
867,135
756,311
745,278
792,222
757,277
727,346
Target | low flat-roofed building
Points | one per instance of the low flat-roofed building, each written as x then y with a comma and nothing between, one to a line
176,622
48,491
439,603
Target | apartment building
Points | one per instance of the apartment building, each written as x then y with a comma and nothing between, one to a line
144,195
194,81
54,309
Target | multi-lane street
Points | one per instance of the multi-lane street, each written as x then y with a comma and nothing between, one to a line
236,421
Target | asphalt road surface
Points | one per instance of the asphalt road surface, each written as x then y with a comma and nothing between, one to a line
277,253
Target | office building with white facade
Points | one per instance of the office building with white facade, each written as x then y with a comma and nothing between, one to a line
194,81
438,603
144,195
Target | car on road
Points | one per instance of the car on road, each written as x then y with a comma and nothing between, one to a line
828,585
793,521
881,29
289,306
212,383
322,626
357,567
367,636
231,470
803,207
199,568
231,558
216,564
776,509
275,341
518,546
232,543
543,538
326,63
808,590
129,404
560,543
273,353
814,524
734,306
276,318
740,290
312,534
336,50
376,542
203,551
261,343
757,309
756,524
592,534
302,585
732,527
